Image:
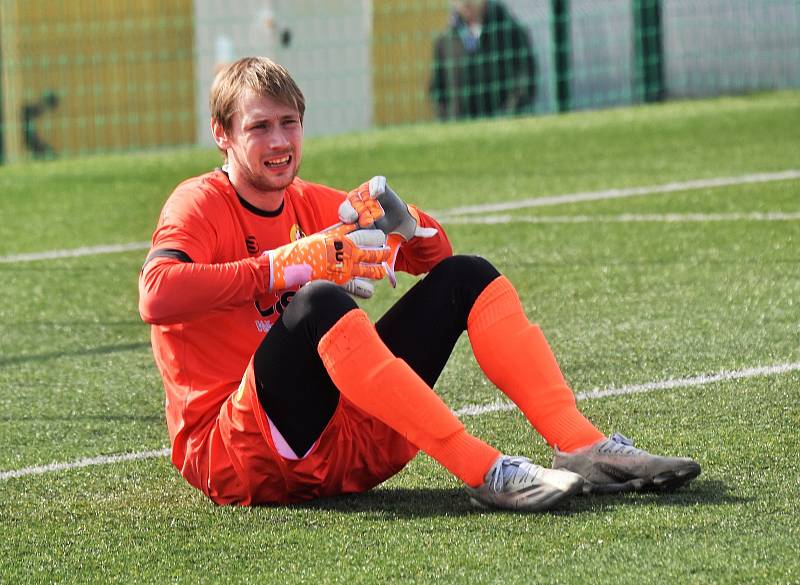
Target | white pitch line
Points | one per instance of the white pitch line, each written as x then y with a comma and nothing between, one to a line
88,462
701,380
623,218
74,252
473,410
470,209
620,193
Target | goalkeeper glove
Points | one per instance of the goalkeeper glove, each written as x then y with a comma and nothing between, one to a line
338,255
374,203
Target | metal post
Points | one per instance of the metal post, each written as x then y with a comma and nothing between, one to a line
649,50
562,53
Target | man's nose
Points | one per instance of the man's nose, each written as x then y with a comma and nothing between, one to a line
278,139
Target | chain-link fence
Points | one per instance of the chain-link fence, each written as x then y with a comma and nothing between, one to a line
88,76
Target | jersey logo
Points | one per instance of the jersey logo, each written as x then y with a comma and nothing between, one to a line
279,305
252,244
295,233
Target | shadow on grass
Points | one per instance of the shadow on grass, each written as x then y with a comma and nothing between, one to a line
404,503
710,492
398,503
102,350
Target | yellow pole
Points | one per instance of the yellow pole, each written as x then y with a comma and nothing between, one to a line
11,80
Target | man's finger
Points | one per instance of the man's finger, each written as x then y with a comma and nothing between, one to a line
371,255
371,271
365,219
368,211
347,213
367,238
339,229
377,185
425,232
360,287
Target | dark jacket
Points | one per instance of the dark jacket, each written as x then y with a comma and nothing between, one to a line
488,76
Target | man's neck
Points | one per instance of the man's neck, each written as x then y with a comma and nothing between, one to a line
264,200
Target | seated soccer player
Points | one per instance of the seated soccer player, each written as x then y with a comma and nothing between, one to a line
278,387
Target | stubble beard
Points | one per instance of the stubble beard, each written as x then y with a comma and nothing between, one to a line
267,184
262,183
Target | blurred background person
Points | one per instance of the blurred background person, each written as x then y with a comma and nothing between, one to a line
483,64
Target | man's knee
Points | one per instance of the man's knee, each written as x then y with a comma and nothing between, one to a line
317,307
474,273
459,281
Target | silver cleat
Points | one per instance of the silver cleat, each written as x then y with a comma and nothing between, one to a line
615,465
516,483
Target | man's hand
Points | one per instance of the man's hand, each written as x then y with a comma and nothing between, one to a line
338,255
361,208
375,204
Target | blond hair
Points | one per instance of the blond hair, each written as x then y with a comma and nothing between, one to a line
260,75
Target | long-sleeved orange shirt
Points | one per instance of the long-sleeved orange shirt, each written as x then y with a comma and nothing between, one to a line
205,290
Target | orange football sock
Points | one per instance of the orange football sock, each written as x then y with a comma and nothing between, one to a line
385,386
516,357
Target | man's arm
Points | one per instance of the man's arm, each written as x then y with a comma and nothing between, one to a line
522,87
181,280
438,82
173,289
419,255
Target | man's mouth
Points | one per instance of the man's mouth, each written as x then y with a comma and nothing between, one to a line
278,161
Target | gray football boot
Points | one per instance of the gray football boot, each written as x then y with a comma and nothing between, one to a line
516,483
615,465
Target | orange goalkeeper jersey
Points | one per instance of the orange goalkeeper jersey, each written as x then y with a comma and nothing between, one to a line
204,290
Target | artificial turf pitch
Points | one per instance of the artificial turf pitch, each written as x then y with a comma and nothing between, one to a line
649,288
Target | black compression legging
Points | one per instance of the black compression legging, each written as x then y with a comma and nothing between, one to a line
421,328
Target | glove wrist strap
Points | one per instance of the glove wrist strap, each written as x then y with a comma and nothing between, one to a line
271,255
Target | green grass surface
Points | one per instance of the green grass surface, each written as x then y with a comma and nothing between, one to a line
622,303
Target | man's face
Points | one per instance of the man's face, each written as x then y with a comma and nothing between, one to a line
265,143
471,10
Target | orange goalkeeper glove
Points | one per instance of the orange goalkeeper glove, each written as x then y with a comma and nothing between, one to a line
338,255
375,204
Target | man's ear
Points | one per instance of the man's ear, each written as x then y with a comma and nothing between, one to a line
219,134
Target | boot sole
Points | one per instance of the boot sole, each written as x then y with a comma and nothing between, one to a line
666,482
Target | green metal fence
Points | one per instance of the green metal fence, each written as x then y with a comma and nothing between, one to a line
88,76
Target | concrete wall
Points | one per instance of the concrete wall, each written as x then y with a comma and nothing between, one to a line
324,45
720,46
